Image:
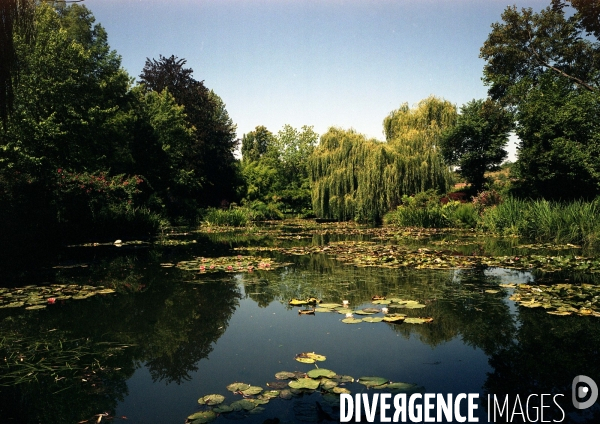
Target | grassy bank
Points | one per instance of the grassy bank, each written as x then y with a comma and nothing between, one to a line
576,222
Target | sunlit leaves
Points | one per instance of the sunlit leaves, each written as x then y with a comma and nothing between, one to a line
309,357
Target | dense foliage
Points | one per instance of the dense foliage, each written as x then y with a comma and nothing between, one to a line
275,171
356,178
84,155
477,143
545,67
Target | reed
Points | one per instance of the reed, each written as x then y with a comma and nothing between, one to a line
546,221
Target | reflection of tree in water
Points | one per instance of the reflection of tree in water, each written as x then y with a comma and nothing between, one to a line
169,324
455,299
186,327
547,353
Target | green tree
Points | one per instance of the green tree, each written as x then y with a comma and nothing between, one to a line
15,16
546,67
256,143
67,117
356,178
560,141
477,143
210,158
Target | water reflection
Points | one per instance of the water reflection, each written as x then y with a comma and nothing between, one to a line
167,325
171,324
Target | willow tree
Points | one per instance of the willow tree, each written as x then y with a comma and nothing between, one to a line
358,178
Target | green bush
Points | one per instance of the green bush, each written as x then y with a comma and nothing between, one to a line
464,215
545,221
234,217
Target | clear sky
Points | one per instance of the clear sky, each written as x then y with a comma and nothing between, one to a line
345,63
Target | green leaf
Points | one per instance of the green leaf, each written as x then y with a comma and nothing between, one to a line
238,387
372,381
202,417
304,383
252,390
320,372
211,400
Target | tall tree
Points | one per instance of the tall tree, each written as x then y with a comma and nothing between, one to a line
356,178
545,67
477,143
256,143
15,15
210,157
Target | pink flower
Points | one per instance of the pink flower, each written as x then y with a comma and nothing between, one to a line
229,268
51,300
202,268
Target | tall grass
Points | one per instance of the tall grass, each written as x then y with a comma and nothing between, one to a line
235,217
541,220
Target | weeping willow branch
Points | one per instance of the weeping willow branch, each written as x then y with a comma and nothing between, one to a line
356,178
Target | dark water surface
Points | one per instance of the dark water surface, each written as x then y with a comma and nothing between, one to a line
167,337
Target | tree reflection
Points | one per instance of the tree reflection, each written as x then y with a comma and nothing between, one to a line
547,353
168,325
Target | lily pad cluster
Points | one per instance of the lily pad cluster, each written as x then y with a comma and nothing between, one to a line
373,314
237,263
290,385
38,297
371,254
560,299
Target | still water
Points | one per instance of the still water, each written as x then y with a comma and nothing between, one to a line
167,336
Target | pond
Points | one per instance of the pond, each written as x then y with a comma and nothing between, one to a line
141,331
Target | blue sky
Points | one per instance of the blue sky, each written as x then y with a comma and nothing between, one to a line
345,63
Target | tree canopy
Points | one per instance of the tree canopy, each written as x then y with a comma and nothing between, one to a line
356,178
210,157
477,143
545,67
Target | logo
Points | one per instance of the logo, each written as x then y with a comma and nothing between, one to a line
585,392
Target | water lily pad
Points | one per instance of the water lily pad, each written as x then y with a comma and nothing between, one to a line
238,387
304,383
297,302
269,394
321,309
211,400
373,319
403,387
372,381
352,320
277,385
285,394
309,357
341,390
417,320
252,390
202,417
560,313
343,379
284,375
344,310
36,307
222,409
381,302
243,404
329,305
394,318
327,384
367,311
320,372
